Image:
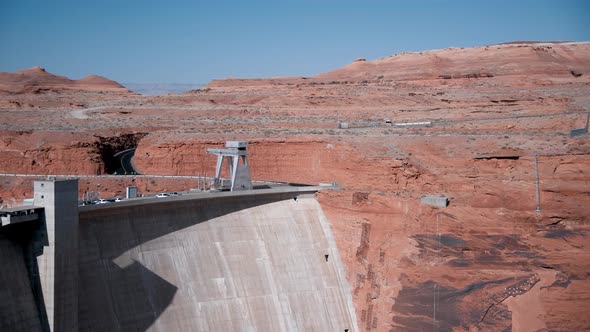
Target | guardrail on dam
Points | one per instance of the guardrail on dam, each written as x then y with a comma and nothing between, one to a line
255,260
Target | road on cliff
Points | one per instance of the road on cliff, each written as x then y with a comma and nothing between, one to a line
126,162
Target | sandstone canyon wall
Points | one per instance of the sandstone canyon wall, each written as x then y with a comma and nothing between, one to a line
486,262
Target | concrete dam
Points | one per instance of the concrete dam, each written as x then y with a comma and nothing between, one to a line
251,260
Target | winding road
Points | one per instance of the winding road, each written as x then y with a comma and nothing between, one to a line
126,162
81,113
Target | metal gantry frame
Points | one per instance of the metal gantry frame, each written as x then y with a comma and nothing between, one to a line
233,152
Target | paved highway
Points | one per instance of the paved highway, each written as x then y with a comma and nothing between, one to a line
126,162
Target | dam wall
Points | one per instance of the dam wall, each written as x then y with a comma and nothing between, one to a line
18,307
254,261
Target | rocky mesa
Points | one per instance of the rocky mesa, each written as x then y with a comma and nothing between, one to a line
37,79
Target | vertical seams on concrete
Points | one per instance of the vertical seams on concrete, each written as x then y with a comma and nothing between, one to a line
278,305
337,261
227,263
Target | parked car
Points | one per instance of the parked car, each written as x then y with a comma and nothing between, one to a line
163,195
118,199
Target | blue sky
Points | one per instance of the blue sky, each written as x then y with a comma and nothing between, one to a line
196,41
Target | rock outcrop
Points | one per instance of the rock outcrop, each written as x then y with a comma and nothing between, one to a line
38,80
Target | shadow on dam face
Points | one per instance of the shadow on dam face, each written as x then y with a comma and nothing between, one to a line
232,263
129,295
21,301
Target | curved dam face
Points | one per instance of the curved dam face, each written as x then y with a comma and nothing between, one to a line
248,262
18,308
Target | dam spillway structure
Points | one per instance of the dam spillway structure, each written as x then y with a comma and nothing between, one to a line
243,260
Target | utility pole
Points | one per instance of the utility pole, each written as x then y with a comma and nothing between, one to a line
538,193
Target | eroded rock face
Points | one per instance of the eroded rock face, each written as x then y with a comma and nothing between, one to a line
487,262
414,266
31,152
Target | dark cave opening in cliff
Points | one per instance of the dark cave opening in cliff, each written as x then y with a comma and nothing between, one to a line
115,152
